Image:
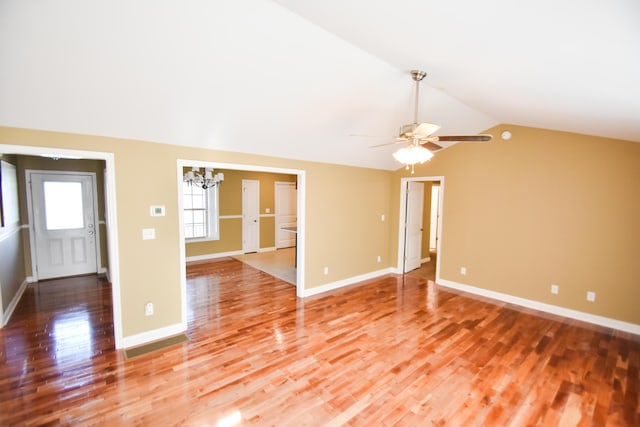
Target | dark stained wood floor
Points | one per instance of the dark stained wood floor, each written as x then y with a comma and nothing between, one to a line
389,351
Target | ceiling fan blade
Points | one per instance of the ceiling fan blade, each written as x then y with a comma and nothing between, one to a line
361,135
431,146
425,129
397,141
465,138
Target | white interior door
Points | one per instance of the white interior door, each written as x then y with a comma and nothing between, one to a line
250,215
286,200
413,225
64,212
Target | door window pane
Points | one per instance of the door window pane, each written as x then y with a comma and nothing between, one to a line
63,205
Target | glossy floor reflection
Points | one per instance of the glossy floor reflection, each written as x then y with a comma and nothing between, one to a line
391,351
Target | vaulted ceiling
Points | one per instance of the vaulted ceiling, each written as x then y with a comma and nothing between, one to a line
298,79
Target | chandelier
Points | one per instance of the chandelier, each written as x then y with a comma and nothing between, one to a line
208,180
412,154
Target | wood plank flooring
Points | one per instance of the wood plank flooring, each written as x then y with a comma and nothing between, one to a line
385,352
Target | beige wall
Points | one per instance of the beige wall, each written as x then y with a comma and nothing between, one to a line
12,269
543,208
343,227
230,198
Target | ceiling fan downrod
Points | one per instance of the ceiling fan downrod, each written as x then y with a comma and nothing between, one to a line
417,76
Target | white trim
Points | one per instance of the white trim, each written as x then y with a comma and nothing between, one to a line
267,215
346,282
6,315
8,231
230,216
225,254
403,194
110,202
31,279
212,256
427,259
151,336
301,179
547,308
29,194
201,239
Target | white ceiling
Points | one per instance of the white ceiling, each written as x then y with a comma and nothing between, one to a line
298,79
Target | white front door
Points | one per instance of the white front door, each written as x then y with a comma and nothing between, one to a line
286,204
250,215
413,225
64,213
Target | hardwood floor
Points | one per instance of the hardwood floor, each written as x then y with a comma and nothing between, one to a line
389,351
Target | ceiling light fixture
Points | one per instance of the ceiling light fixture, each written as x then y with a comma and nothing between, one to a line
412,154
208,180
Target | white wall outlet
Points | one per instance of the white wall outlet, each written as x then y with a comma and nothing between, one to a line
148,233
379,258
591,296
555,289
148,309
382,217
267,210
326,271
463,271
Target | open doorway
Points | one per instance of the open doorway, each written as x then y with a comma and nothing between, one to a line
109,243
419,231
264,215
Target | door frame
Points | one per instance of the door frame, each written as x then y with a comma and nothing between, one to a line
32,224
276,198
403,215
301,179
111,220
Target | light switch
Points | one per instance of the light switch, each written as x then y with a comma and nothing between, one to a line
148,233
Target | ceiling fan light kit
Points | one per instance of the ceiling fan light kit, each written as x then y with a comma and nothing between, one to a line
420,134
412,154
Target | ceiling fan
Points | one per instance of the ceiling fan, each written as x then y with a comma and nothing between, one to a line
419,136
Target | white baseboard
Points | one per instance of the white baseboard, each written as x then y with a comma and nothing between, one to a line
423,260
547,308
345,282
212,256
107,275
151,336
31,279
6,315
273,248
